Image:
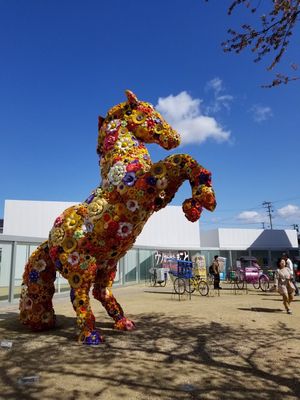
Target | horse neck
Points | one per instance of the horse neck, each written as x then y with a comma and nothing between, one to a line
127,150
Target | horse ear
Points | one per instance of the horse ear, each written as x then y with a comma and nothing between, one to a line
100,122
132,99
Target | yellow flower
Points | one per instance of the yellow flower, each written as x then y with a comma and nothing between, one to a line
123,131
177,159
158,170
158,129
138,117
98,227
75,280
71,220
120,208
96,208
57,235
80,300
69,244
63,258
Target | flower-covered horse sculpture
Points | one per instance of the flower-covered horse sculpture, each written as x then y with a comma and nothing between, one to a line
88,239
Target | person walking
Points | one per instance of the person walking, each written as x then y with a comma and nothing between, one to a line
284,284
216,273
289,265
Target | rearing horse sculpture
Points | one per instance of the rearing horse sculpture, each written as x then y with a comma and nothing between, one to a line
88,239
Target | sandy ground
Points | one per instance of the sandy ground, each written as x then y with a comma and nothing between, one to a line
232,346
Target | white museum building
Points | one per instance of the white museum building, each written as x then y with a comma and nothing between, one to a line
167,233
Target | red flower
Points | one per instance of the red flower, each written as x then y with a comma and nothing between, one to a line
133,167
113,227
150,123
53,252
193,214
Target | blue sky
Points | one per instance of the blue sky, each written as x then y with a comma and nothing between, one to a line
65,62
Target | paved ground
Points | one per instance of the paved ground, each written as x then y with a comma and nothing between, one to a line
236,346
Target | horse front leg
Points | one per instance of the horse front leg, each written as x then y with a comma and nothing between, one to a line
102,292
171,172
85,318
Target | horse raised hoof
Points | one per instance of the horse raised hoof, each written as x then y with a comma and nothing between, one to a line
124,324
192,209
91,338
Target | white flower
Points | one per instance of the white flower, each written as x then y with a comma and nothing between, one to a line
162,183
74,258
113,125
132,205
125,229
87,226
40,265
116,173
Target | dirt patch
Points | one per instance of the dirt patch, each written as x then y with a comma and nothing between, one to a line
232,346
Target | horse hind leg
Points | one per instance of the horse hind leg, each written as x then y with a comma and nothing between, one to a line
102,292
36,308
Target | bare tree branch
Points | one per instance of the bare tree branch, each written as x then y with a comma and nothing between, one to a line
277,28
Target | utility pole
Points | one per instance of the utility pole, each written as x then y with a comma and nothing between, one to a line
296,227
268,206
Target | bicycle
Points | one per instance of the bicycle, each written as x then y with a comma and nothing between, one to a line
154,279
189,285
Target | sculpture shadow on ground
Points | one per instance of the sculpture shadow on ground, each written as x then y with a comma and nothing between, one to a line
166,357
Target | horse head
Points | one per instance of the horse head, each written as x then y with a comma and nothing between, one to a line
140,119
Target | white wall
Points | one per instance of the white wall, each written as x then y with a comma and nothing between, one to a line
242,239
167,228
31,218
209,239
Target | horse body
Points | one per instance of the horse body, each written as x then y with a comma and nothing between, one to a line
88,239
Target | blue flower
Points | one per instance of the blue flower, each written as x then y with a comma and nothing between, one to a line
93,339
72,294
58,265
151,180
129,178
90,198
34,276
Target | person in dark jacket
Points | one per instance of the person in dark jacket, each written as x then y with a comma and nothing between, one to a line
216,273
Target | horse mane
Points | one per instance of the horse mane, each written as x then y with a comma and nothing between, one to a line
116,112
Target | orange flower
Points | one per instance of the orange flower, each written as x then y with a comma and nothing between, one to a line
141,183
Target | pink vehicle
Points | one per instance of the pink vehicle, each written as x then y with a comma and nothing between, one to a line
248,271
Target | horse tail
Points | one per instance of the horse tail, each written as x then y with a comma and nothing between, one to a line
36,309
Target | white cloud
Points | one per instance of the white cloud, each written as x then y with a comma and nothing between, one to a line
184,114
220,100
289,211
216,84
261,113
251,216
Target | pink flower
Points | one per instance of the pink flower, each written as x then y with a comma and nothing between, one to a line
110,141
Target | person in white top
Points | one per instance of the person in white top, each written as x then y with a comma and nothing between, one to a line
284,284
289,265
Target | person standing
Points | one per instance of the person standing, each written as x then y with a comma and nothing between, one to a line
216,273
289,265
284,285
